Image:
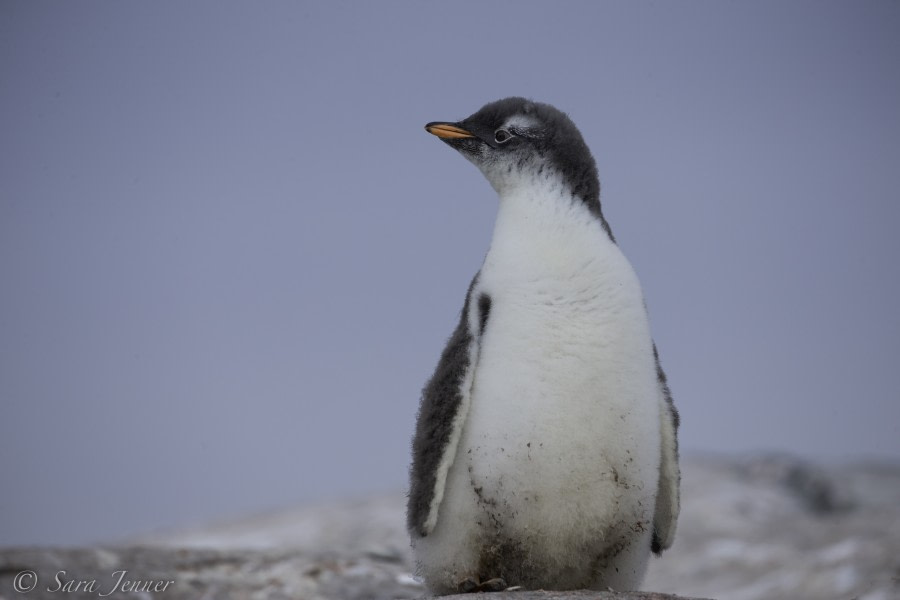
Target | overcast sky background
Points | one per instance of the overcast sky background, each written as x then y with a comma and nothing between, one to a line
230,255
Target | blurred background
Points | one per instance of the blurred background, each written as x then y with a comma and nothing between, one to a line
230,256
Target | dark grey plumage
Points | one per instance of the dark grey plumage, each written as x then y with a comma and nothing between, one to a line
441,400
484,311
655,545
556,139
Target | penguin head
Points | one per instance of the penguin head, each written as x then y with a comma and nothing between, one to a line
517,142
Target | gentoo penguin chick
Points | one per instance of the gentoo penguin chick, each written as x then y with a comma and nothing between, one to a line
545,453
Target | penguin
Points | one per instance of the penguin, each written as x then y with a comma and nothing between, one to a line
545,454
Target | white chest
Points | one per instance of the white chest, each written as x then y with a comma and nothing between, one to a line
564,394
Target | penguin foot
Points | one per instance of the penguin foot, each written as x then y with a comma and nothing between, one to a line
470,585
497,584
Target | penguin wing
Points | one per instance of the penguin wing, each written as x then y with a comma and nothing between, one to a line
667,495
442,412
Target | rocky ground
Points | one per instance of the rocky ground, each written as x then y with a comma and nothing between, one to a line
767,527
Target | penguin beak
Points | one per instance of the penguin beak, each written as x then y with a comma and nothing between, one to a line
447,130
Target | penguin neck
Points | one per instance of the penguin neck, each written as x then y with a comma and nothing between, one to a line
543,230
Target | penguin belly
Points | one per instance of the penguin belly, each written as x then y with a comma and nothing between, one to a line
554,480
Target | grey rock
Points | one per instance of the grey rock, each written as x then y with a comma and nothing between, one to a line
809,483
570,595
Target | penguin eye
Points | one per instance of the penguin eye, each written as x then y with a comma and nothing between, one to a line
501,135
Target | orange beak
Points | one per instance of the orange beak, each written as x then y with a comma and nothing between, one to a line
446,130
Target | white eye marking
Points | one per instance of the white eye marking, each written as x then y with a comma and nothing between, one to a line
501,136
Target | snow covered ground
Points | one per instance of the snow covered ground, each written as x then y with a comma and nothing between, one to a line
761,527
765,527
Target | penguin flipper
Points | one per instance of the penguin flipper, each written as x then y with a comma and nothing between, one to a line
442,412
668,494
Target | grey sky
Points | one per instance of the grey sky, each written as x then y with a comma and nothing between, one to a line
230,255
